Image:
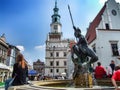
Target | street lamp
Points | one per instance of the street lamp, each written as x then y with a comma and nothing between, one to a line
53,61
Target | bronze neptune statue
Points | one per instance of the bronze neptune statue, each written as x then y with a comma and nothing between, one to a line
84,55
80,49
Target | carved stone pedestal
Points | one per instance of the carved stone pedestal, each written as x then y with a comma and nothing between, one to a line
83,81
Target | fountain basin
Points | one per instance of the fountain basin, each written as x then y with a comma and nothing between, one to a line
57,85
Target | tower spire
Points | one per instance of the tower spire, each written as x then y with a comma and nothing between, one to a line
55,3
55,16
56,24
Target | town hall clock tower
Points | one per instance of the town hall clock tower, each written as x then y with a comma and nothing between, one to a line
56,47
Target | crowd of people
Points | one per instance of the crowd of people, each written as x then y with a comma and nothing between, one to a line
112,71
104,72
20,73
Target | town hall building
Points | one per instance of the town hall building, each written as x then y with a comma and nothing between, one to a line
56,48
103,33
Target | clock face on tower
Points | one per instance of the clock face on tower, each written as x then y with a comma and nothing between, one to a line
55,27
114,12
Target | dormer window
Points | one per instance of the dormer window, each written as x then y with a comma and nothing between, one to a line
107,26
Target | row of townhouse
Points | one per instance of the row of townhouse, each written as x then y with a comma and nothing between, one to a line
8,55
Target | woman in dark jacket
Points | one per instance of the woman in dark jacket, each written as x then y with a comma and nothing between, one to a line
20,71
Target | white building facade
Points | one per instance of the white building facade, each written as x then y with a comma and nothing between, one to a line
56,48
13,51
103,34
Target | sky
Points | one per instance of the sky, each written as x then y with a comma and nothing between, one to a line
26,23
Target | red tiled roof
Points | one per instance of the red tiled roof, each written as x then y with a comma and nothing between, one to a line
91,32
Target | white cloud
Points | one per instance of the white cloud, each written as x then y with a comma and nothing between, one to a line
40,47
21,48
118,1
40,51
